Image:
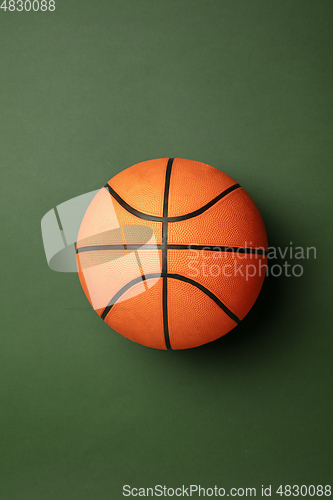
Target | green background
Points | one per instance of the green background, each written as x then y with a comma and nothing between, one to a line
87,91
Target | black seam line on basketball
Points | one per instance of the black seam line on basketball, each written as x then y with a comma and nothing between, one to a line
165,217
172,276
171,246
121,246
165,253
218,248
142,215
124,289
165,312
207,292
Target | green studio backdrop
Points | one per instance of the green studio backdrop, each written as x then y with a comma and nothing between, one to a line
87,90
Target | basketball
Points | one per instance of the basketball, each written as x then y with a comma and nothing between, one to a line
172,253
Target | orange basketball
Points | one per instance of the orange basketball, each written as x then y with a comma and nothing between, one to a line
172,253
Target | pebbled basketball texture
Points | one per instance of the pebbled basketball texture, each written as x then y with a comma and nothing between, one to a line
172,253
